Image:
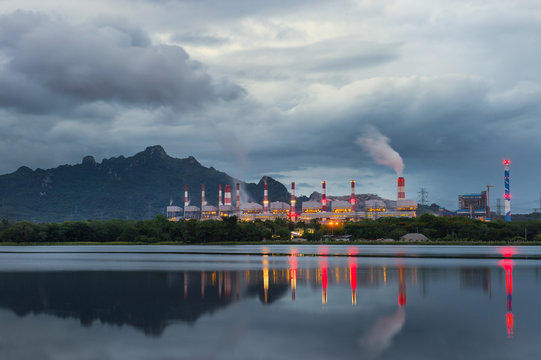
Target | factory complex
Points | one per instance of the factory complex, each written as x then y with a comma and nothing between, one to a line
325,211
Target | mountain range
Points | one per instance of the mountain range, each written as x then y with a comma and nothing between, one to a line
136,187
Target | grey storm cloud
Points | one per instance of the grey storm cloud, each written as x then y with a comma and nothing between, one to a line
454,86
49,64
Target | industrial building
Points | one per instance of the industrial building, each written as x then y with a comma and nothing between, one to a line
324,211
473,205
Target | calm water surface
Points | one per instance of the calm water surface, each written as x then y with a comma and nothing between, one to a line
270,302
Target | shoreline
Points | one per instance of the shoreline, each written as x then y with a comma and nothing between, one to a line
300,243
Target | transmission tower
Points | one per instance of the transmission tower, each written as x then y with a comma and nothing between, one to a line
423,196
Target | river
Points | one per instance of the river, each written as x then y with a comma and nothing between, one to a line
270,302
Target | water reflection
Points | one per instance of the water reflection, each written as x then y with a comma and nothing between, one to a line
152,300
507,264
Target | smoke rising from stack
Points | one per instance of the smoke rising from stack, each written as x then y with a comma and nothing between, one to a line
379,148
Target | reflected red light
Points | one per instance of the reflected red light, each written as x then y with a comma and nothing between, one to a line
324,275
401,287
507,264
510,324
507,251
324,280
353,273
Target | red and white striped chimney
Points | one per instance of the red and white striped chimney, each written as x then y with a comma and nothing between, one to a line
292,212
323,196
266,198
203,201
220,195
238,199
401,189
186,201
227,195
353,199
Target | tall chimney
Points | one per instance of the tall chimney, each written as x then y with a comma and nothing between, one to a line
203,201
292,212
323,196
266,198
186,201
353,199
220,195
401,189
228,195
238,199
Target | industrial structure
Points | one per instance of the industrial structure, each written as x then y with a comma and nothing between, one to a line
326,210
473,206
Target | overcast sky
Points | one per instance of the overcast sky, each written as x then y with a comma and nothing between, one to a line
281,88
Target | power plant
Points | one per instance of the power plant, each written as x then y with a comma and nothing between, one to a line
327,210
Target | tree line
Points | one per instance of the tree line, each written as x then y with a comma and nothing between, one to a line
228,229
157,230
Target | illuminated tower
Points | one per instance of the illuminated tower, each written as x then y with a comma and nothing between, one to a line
401,188
238,200
227,195
266,198
203,201
186,201
352,198
220,195
507,196
292,212
323,196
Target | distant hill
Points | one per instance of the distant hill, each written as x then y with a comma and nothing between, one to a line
135,187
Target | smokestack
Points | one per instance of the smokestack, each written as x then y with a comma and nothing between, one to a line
220,195
401,189
228,195
203,201
352,199
323,196
266,198
238,199
186,201
292,212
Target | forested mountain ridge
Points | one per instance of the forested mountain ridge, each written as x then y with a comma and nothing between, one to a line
135,187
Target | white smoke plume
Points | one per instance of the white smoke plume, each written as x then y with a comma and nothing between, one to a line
378,145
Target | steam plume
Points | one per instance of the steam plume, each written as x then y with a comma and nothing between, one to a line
379,148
